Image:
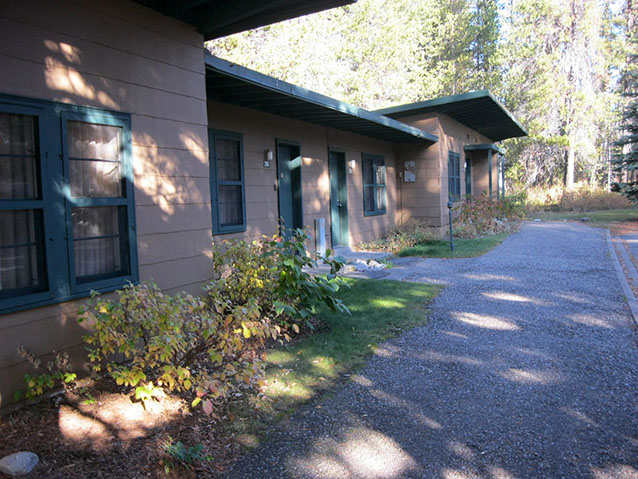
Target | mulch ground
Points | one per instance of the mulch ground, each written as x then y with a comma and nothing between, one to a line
112,437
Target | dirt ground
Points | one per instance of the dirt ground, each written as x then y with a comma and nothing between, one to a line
621,228
112,437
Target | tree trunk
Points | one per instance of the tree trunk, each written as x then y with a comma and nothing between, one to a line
569,172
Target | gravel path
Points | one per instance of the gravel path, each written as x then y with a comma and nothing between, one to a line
528,369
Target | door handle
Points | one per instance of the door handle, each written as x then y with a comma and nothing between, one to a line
339,205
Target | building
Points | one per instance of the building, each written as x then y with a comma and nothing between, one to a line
125,149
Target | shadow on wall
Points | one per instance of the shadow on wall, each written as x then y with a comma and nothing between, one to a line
172,192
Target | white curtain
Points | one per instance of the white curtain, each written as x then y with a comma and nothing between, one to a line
95,172
18,180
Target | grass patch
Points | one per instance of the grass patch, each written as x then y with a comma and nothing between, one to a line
602,217
463,248
300,371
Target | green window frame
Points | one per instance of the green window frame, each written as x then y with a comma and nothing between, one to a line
55,201
228,194
374,185
454,175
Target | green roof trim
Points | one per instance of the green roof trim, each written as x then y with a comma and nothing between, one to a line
231,83
484,146
478,110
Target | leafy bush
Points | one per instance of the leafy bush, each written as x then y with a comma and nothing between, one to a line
150,341
56,373
409,234
273,273
183,455
482,216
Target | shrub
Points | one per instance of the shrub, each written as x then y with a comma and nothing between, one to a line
273,273
482,216
147,340
409,234
592,200
56,373
183,455
582,198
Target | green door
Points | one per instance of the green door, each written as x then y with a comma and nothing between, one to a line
468,176
338,199
289,186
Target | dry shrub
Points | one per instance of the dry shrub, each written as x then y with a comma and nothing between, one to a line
407,235
582,198
592,200
482,216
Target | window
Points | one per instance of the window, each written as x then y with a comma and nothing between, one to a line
454,175
66,202
374,196
227,181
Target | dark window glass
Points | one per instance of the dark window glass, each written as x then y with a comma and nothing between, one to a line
22,269
454,175
227,184
374,194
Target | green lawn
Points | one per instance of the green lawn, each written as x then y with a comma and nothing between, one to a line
463,248
311,365
599,217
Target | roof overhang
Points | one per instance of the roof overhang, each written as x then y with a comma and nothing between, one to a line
484,147
218,18
231,83
478,110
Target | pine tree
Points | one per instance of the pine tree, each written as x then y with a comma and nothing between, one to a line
626,158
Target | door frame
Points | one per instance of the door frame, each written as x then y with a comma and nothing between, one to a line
344,238
468,163
283,142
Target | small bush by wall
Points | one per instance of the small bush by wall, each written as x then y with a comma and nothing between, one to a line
409,234
210,347
480,216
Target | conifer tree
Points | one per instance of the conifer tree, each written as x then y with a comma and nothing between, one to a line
626,158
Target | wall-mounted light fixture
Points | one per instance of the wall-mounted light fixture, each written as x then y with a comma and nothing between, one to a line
268,157
351,165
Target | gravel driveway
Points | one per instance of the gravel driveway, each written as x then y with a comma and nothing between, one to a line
528,369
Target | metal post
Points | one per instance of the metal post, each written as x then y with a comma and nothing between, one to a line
449,207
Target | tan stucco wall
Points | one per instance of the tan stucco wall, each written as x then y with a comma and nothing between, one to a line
260,132
426,199
120,56
420,200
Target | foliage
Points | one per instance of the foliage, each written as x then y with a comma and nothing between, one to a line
209,346
56,373
480,216
274,275
626,157
554,63
184,455
409,234
582,198
147,340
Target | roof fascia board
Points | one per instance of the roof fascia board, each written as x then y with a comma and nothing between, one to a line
264,81
484,146
444,100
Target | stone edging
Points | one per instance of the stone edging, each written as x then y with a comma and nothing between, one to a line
629,295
